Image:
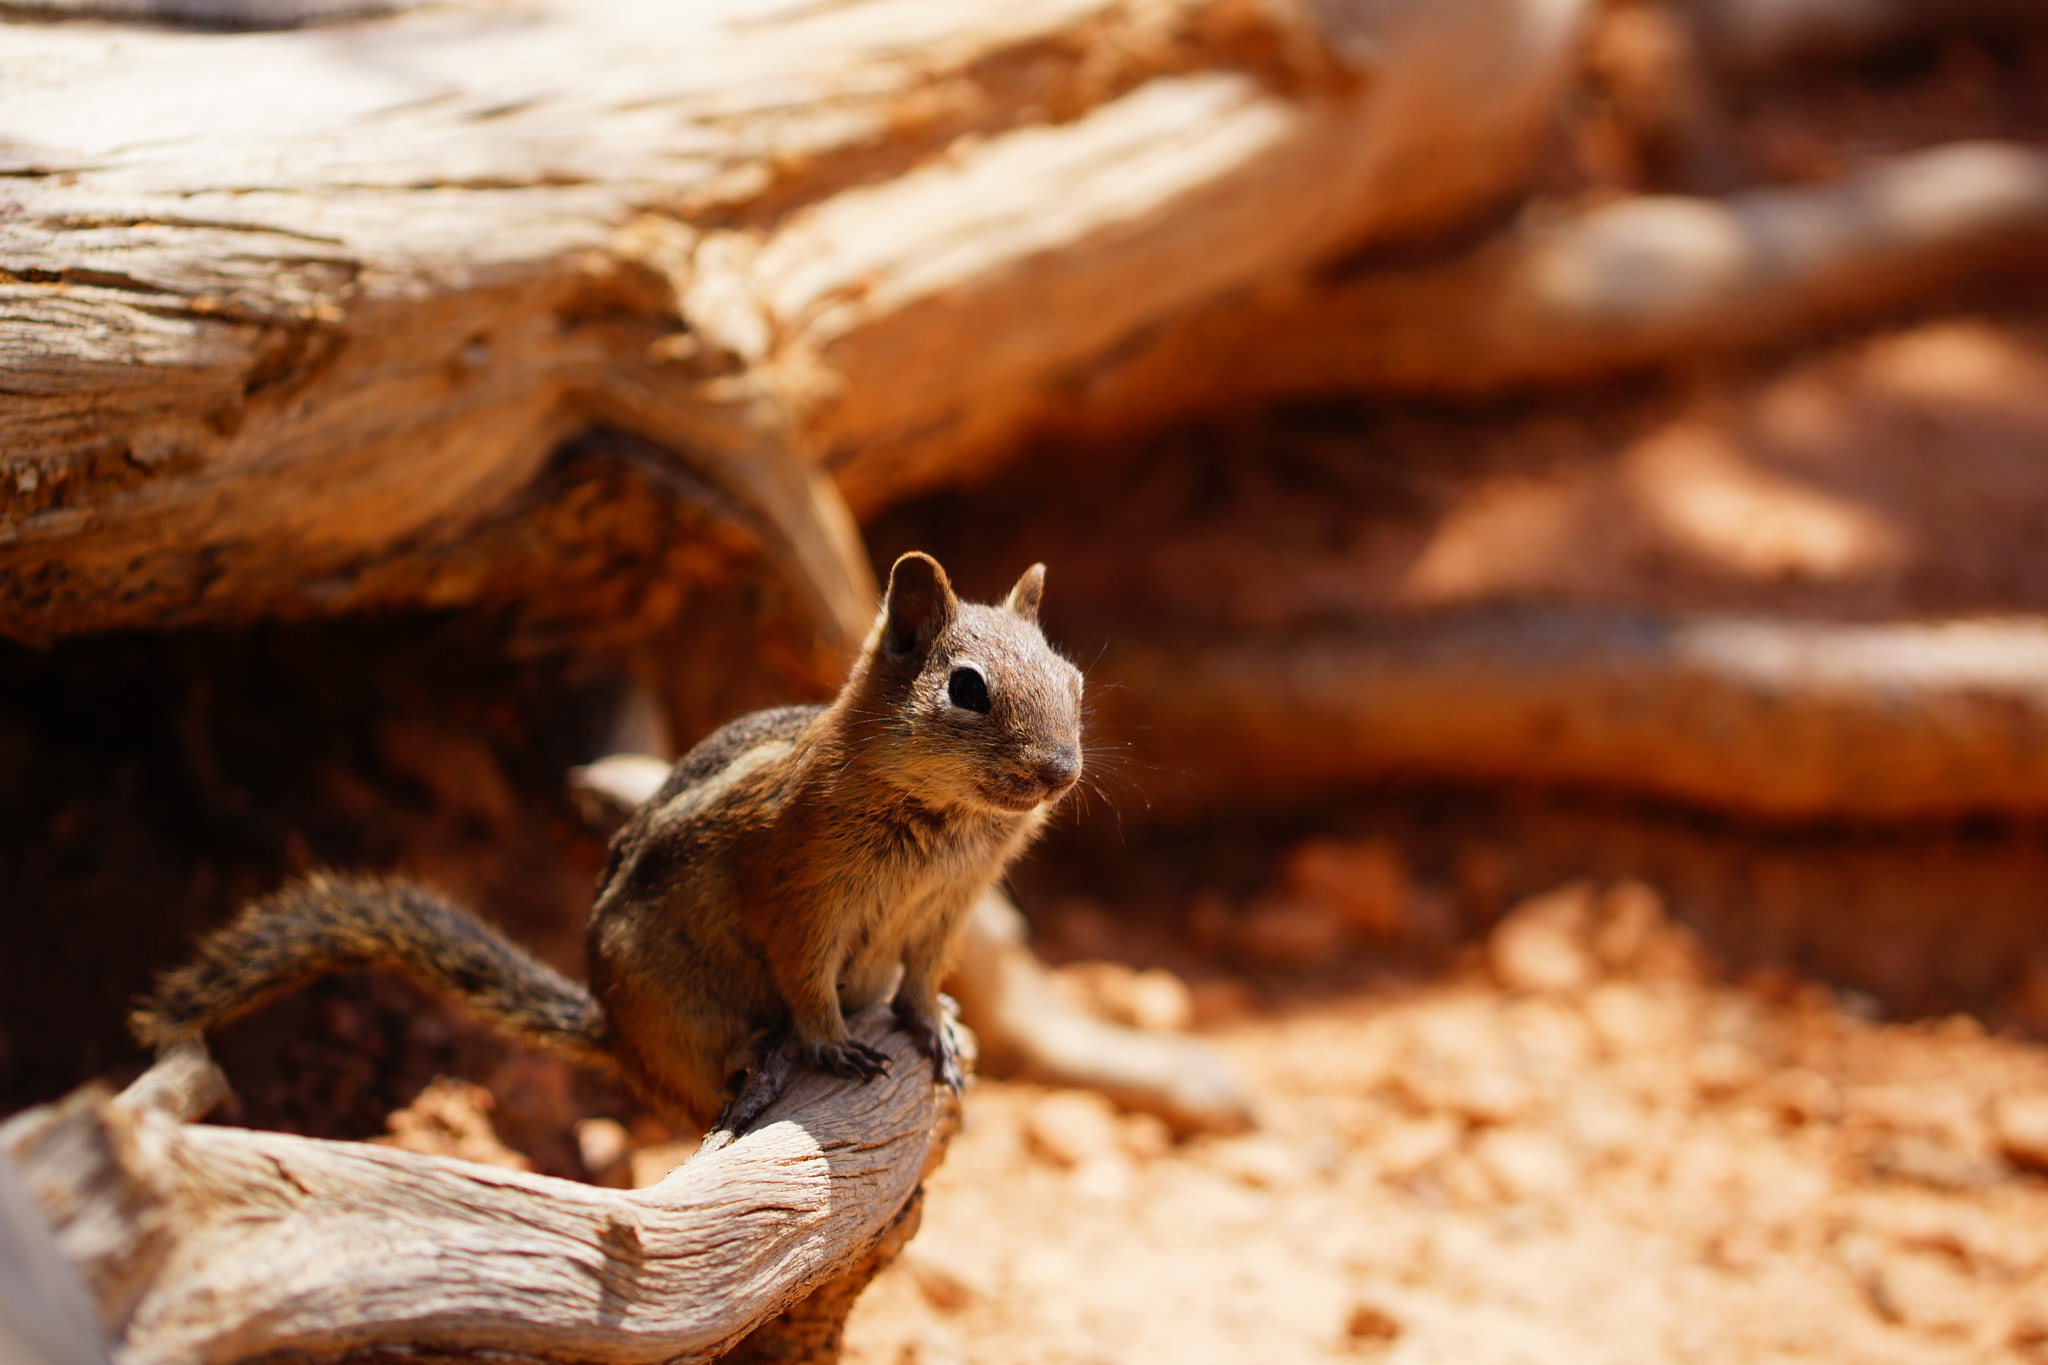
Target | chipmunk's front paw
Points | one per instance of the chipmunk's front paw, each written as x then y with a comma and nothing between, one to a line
853,1059
934,1033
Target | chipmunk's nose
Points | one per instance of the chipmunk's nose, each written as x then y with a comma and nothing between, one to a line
1058,768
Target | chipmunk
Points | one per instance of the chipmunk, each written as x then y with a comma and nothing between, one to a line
798,865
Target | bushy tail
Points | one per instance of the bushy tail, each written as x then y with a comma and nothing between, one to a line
330,923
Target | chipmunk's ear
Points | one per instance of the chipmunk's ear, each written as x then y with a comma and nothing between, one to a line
918,605
1023,598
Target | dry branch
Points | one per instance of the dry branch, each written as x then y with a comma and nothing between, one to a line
1028,1028
1754,34
1782,720
1615,288
44,1316
211,1244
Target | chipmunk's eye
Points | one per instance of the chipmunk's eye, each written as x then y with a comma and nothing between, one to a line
968,690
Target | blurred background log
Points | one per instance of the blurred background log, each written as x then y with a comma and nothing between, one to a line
1787,721
1607,291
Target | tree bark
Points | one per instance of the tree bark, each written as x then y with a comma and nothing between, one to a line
279,307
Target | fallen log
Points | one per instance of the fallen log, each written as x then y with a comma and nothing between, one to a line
250,360
1750,35
1760,718
213,1244
325,364
252,363
1612,289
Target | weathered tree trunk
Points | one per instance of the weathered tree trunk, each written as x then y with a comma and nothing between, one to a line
1750,34
1603,291
210,1244
281,308
1774,720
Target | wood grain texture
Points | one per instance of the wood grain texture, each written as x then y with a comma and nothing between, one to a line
282,314
212,1244
277,306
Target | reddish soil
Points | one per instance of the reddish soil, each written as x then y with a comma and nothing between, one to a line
1596,1162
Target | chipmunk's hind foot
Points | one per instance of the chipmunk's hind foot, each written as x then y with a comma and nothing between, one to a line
934,1034
851,1058
753,1090
766,1081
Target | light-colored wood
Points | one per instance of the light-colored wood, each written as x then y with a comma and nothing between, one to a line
281,311
45,1318
1613,288
1770,719
184,1084
204,1245
274,306
1028,1027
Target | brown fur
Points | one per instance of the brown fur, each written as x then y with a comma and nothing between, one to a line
330,923
798,864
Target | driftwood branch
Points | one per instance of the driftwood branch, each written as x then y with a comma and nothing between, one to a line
1621,287
212,1244
184,1085
1029,1028
1752,34
1787,720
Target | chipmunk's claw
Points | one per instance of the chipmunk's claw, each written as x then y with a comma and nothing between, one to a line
766,1081
853,1059
934,1034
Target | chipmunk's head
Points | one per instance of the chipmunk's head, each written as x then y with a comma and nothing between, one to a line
971,707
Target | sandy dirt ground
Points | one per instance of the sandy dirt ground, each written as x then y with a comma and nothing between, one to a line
1578,1147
